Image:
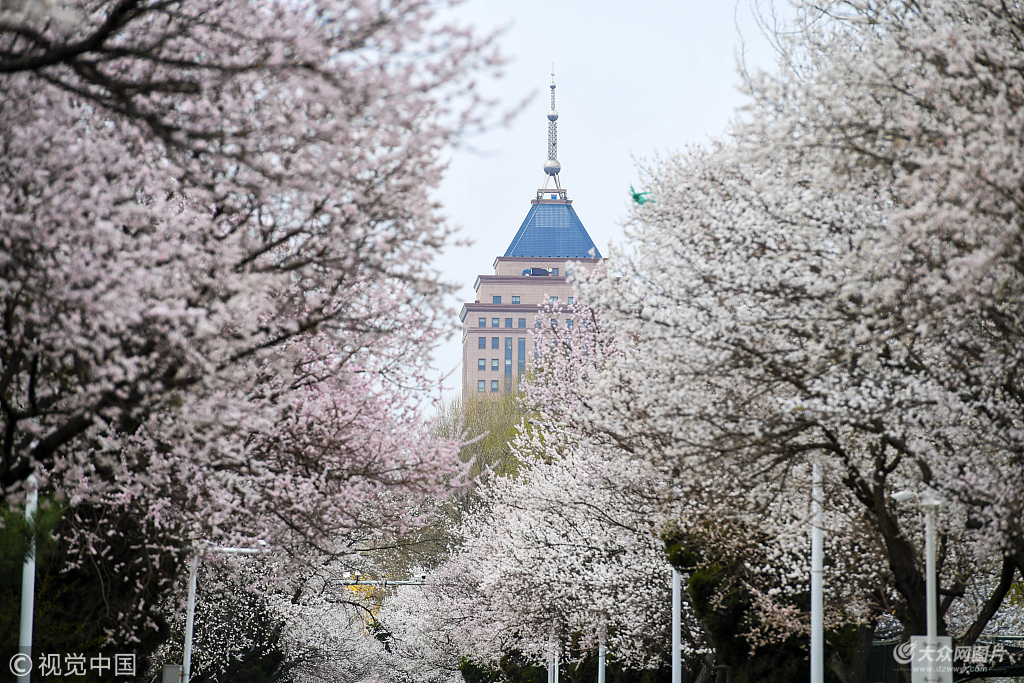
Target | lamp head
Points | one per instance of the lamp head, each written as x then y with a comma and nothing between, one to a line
904,496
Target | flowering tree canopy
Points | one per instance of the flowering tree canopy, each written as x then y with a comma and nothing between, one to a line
840,280
215,263
561,553
567,555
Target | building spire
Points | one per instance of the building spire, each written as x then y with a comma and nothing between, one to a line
551,166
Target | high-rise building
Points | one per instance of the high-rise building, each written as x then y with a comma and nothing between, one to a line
533,272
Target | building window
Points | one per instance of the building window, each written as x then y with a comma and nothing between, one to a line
554,271
508,322
483,322
495,299
572,300
522,355
494,364
536,323
494,322
554,322
481,343
480,385
508,361
554,299
494,385
522,322
495,343
515,299
481,363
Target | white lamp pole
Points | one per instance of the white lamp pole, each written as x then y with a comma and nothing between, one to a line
552,661
186,665
928,504
193,566
677,623
817,598
28,579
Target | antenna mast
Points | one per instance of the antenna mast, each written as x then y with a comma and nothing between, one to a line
551,166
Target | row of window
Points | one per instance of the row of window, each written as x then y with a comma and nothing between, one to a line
481,342
481,364
496,299
495,322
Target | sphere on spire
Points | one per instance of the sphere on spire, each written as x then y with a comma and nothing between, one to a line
551,166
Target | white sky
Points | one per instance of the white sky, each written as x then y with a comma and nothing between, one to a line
634,80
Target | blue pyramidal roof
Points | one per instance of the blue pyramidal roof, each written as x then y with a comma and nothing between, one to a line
552,229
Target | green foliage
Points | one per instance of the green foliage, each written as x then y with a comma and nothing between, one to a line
725,608
487,425
78,604
15,537
680,555
516,669
264,669
1015,596
474,673
378,631
722,609
513,668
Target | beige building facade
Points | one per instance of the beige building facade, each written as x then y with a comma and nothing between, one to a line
532,275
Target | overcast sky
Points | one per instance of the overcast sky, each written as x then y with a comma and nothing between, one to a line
634,80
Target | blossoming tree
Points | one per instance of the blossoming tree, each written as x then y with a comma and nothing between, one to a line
840,281
563,554
215,263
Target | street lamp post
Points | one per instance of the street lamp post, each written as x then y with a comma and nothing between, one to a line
677,627
930,588
193,566
817,583
28,578
928,504
552,661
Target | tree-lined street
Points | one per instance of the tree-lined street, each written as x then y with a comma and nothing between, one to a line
219,292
